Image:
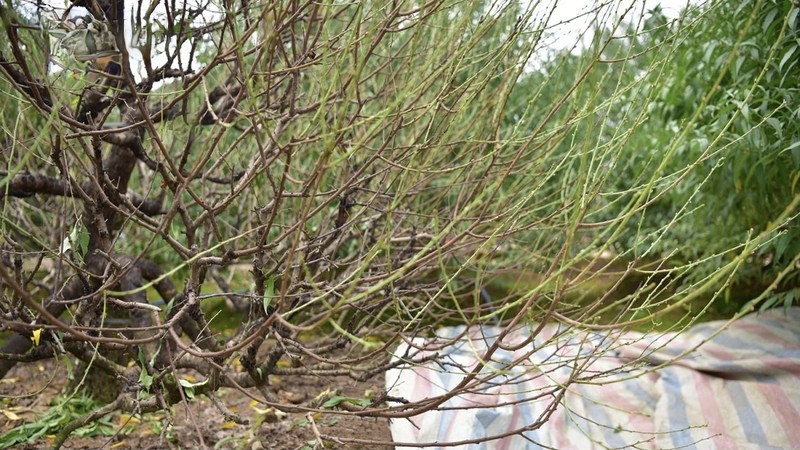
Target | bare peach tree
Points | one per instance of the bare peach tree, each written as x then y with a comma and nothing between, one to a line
343,176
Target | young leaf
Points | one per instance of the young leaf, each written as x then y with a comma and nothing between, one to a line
188,387
145,380
300,422
269,292
189,392
333,401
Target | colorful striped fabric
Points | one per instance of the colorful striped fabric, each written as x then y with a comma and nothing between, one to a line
714,385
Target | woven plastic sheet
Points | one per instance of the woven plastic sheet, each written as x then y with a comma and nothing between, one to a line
710,386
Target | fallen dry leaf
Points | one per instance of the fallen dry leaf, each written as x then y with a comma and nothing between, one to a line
10,415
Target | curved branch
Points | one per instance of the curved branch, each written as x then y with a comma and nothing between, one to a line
26,185
31,89
19,344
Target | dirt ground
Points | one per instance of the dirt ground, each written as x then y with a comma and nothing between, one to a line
27,391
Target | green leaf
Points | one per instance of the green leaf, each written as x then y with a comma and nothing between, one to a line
188,387
77,240
300,422
83,240
363,402
187,383
776,124
145,380
789,299
68,366
786,57
768,303
189,392
781,243
140,354
338,399
770,18
334,401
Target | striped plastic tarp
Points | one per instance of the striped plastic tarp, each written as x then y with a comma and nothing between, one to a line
716,385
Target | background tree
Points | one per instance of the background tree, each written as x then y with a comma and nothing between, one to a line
721,128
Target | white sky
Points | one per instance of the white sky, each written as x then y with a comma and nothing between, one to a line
575,16
569,20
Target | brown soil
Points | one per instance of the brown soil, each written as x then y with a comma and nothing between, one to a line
28,389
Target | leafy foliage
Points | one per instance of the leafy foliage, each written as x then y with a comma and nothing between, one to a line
735,74
706,108
65,410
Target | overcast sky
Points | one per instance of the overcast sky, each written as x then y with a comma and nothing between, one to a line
573,17
569,20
